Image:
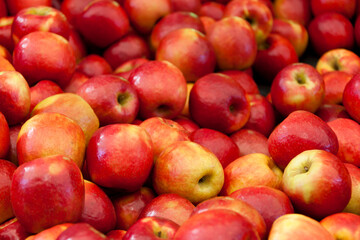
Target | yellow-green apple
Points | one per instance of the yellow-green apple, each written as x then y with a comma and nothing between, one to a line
302,131
250,141
125,69
130,143
12,229
77,44
212,9
42,90
324,38
338,59
15,97
351,97
103,22
63,136
81,231
32,58
187,123
317,183
129,47
113,99
93,65
116,234
98,209
227,110
144,14
38,185
274,54
185,112
354,203
262,115
6,173
161,88
50,233
4,137
335,83
343,225
256,13
329,112
251,170
294,32
75,82
298,11
74,107
236,51
12,155
344,7
163,132
151,228
236,205
186,5
128,207
297,87
40,18
5,32
227,224
261,197
169,206
189,50
200,176
218,143
246,81
73,9
14,6
348,134
298,227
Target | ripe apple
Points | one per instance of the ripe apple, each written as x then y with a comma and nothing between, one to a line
125,69
116,234
187,123
250,141
81,231
318,183
329,112
76,81
50,233
356,30
335,83
93,65
11,154
298,11
351,96
42,90
4,137
338,60
246,81
5,32
212,9
12,229
78,45
354,203
49,179
342,225
14,6
196,168
344,7
186,5
73,9
300,131
6,173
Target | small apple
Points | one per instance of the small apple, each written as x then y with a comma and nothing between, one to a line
14,6
50,233
4,137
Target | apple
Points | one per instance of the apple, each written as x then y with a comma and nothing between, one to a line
354,203
344,7
116,234
49,179
212,9
329,112
78,45
317,183
32,58
238,50
15,95
93,65
227,224
42,90
246,81
186,5
5,65
297,87
125,69
226,111
250,141
50,233
185,112
195,167
335,83
218,143
72,9
6,173
12,229
351,96
49,134
251,170
298,11
168,206
207,23
161,88
129,143
187,123
11,154
300,131
5,53
297,227
76,81
14,6
356,30
128,207
152,228
5,32
324,38
342,225
4,137
81,231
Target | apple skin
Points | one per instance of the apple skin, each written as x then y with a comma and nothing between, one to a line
351,96
250,141
77,44
298,11
73,9
125,69
213,10
14,6
338,60
128,207
12,229
236,205
50,233
226,111
151,228
5,32
261,197
246,81
186,5
238,50
12,155
4,137
32,58
297,227
98,210
113,99
6,173
344,7
220,144
227,224
354,203
324,38
190,51
161,88
127,142
50,179
342,225
81,231
116,234
42,90
93,65
103,22
201,173
356,31
317,183
251,170
39,18
300,131
335,83
187,123
329,112
75,82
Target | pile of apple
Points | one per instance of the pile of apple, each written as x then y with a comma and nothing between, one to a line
179,119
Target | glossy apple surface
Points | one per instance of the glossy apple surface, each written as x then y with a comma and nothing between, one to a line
250,141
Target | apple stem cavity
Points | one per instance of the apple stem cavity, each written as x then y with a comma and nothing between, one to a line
123,98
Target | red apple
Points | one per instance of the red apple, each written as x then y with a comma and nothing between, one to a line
329,112
342,225
335,83
81,231
73,9
300,131
50,233
351,96
344,7
116,234
75,82
187,123
12,229
353,205
6,173
42,90
5,32
14,6
186,5
125,69
212,9
246,81
250,141
356,30
12,155
296,10
93,65
78,45
49,179
4,137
